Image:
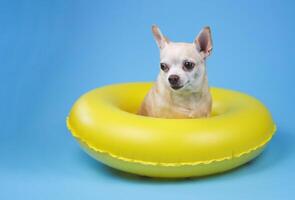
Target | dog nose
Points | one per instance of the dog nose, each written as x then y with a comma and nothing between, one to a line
173,79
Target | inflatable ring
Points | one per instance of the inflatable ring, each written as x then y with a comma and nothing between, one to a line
104,123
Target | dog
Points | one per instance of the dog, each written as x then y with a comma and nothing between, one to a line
181,89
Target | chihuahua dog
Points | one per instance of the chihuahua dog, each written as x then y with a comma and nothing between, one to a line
181,89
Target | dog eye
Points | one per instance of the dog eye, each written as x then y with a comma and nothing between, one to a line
164,67
188,66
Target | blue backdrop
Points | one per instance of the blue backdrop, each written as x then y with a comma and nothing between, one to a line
51,52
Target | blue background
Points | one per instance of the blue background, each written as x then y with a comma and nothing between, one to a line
51,52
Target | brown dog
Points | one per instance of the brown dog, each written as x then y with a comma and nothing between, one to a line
181,89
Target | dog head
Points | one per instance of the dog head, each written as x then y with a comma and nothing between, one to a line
183,64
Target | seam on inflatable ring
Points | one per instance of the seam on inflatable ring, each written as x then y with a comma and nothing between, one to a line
168,164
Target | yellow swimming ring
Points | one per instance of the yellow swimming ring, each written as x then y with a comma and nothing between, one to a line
104,123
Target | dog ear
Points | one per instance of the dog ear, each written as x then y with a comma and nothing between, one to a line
161,40
203,42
